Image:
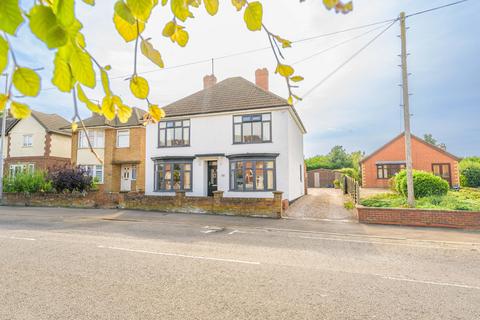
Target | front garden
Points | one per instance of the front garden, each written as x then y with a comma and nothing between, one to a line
431,192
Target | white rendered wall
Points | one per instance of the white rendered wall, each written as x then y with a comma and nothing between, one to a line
27,126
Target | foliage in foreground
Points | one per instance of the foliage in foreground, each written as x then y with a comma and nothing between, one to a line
470,172
425,184
28,183
70,179
467,199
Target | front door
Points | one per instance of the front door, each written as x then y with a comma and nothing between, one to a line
316,178
212,177
126,178
443,171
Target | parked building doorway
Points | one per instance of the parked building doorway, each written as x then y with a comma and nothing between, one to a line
212,184
126,178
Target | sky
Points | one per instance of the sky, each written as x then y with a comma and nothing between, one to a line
358,107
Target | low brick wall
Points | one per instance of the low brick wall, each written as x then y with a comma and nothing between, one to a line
419,217
264,207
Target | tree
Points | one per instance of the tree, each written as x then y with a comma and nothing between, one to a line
337,158
54,22
428,137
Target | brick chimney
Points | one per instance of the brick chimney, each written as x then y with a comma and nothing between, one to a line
209,81
261,78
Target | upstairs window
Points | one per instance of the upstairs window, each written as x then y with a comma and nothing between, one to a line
174,133
123,138
96,138
254,128
27,140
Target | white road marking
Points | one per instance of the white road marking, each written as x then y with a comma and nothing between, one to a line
18,238
209,231
181,255
431,282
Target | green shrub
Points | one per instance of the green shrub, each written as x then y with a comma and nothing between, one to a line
28,183
471,175
351,172
336,184
425,184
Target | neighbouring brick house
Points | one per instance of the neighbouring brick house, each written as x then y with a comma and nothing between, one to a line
384,163
36,143
120,147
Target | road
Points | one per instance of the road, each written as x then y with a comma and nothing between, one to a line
113,264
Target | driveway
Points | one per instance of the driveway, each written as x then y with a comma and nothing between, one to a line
321,204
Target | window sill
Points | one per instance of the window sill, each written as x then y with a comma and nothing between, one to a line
168,147
250,191
241,143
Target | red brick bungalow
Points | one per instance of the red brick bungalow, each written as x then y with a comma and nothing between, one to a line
384,163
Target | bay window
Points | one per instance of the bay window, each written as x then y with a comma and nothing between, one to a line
172,175
252,175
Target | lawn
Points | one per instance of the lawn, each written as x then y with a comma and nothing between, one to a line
467,199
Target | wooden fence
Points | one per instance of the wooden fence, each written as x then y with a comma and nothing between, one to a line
351,187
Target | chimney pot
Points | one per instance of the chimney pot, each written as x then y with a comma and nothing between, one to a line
261,78
209,81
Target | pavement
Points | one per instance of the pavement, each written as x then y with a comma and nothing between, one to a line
119,264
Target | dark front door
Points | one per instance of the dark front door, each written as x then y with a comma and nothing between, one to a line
212,177
443,171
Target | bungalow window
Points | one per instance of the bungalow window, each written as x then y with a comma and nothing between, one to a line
254,128
96,138
252,175
94,171
173,175
387,171
174,133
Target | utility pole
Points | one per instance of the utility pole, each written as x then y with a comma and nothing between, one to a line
2,142
406,114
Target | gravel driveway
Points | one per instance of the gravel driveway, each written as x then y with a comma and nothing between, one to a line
320,203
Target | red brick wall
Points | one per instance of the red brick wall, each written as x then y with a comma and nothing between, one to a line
419,217
423,156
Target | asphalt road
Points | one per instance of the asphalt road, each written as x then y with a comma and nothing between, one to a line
109,264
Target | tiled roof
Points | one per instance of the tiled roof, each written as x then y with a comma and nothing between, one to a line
52,122
232,94
11,122
100,121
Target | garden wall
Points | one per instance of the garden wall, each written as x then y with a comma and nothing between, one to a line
258,207
419,217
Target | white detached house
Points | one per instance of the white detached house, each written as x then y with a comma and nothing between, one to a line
232,136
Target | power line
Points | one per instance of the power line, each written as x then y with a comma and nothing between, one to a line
435,8
348,60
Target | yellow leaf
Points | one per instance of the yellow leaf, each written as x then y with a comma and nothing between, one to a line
108,108
140,9
296,78
83,98
151,53
105,82
3,54
126,30
124,12
82,67
90,2
19,110
347,7
330,3
290,100
156,112
180,36
169,29
3,101
62,77
123,113
253,16
239,4
180,9
285,43
74,126
284,70
211,6
26,81
10,16
139,87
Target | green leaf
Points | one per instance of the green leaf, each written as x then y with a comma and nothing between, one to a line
19,110
139,87
62,76
26,81
83,98
211,6
65,11
151,53
253,16
124,12
10,16
126,30
45,26
3,54
180,9
82,67
140,9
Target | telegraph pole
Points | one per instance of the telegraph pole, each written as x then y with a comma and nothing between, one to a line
2,141
406,114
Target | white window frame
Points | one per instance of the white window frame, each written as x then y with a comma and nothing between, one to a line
119,132
93,169
133,172
29,167
28,140
97,139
